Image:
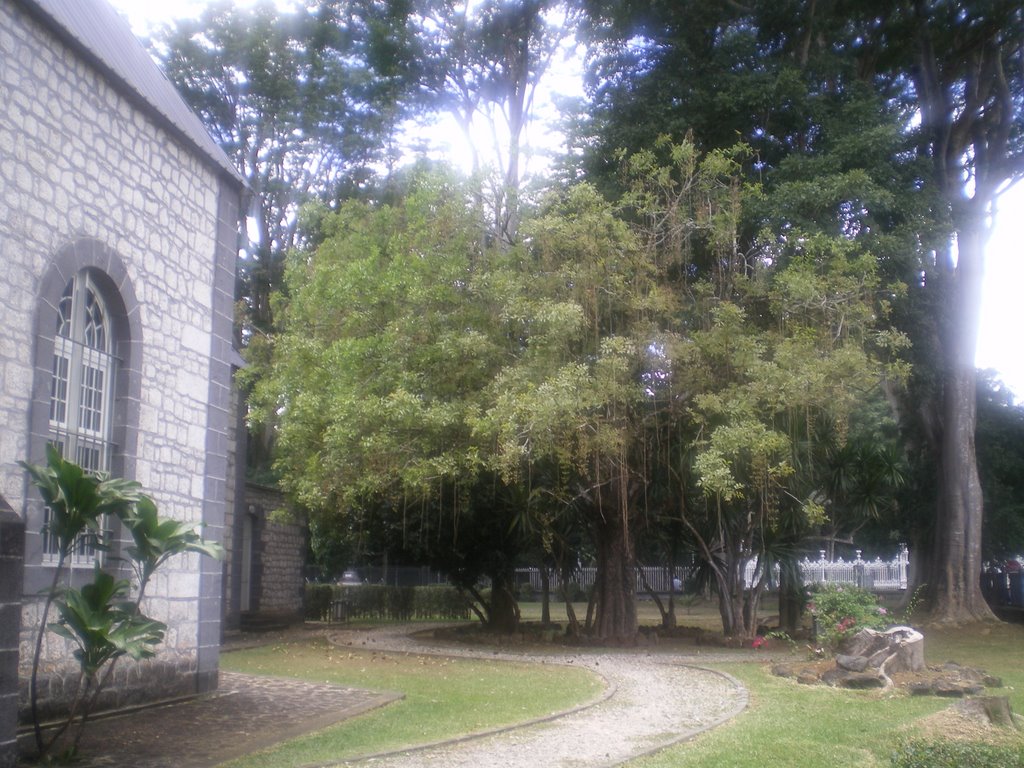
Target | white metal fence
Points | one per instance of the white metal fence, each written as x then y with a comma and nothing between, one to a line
877,575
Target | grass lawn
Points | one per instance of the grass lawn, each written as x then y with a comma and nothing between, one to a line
444,697
788,724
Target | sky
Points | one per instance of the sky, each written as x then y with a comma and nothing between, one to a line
1000,345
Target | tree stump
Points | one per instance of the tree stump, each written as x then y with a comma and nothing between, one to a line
897,649
997,710
874,654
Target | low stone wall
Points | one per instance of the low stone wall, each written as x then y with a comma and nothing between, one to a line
172,673
132,683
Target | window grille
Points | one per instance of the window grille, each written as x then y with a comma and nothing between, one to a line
81,392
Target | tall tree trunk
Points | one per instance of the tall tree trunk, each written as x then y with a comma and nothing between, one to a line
503,616
968,89
955,582
728,609
545,592
616,581
791,597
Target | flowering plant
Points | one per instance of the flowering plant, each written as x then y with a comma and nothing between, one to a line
843,609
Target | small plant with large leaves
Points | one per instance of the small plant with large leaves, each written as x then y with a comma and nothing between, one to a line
101,620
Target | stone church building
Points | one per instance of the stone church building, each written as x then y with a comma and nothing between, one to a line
118,241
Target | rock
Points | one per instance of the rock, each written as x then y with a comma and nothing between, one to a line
842,678
955,689
861,680
852,663
833,676
783,670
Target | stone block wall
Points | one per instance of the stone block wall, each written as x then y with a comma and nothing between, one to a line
283,556
88,179
276,559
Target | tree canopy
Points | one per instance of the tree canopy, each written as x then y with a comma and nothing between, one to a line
748,321
897,124
417,371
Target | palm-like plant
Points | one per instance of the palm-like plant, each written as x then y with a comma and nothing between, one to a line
99,619
77,502
156,540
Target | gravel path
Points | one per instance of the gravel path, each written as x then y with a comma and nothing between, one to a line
653,700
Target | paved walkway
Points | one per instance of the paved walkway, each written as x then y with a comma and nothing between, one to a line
246,714
653,700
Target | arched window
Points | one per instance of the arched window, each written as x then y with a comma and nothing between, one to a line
88,382
81,388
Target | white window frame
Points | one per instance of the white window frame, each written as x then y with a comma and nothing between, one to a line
82,393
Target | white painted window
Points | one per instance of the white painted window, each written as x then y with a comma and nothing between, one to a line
81,388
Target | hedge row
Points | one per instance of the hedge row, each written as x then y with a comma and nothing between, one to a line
373,601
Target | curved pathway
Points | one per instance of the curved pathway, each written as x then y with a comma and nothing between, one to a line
653,700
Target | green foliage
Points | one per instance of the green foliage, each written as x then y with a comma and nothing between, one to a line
104,625
100,620
293,100
387,349
777,367
866,125
621,352
158,540
76,499
318,601
957,754
440,602
843,610
1000,440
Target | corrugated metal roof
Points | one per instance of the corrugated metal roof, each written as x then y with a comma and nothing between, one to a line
96,30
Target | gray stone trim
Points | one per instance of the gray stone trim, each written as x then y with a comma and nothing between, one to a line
110,274
232,607
12,550
219,424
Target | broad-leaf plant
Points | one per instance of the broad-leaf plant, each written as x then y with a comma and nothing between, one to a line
102,619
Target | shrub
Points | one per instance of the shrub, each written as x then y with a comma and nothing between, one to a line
318,601
843,609
440,602
375,601
955,754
